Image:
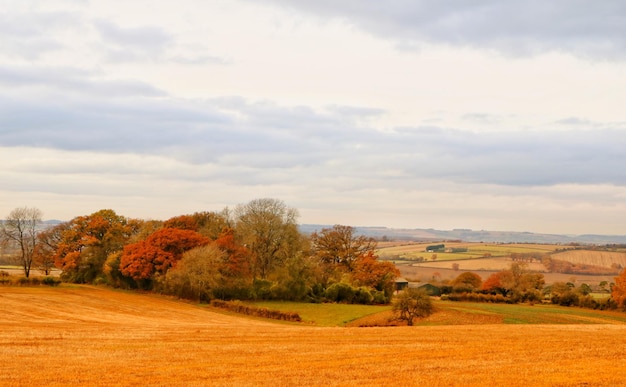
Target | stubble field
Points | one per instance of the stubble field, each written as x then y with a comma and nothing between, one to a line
93,336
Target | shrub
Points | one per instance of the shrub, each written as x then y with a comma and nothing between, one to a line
340,292
250,310
262,289
380,298
363,296
50,281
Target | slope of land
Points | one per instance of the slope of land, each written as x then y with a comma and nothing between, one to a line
92,336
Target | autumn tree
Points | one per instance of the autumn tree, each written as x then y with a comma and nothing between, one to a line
48,243
20,230
411,304
87,241
467,282
268,229
236,256
340,246
375,274
198,274
618,292
517,282
157,253
498,283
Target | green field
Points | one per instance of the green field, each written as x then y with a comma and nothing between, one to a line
413,252
536,314
325,314
451,313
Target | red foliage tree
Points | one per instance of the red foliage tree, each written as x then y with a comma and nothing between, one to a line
182,222
237,262
493,284
159,252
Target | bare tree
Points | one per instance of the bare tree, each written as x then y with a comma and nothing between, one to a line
20,230
268,228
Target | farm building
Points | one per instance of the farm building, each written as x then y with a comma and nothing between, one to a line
431,289
401,284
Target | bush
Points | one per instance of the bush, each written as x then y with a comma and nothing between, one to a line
380,298
363,296
262,289
569,298
50,281
250,310
340,292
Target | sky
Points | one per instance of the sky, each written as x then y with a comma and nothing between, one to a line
487,115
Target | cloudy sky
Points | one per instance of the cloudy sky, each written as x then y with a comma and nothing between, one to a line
490,114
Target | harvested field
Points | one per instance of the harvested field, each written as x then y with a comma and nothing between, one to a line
591,257
492,264
92,336
424,273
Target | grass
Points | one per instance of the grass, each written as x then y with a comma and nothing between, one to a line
325,315
536,314
98,337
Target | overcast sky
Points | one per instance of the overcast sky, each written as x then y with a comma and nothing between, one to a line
495,115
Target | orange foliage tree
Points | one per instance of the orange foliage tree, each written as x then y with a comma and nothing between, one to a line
209,224
619,290
157,253
85,242
370,272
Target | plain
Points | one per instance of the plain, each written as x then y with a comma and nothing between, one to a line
94,336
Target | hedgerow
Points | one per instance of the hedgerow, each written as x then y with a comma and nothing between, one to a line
250,310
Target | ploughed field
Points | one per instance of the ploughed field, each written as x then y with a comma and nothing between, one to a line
94,336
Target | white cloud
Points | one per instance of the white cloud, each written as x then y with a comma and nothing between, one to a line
159,108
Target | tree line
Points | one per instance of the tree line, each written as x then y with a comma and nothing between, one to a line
254,251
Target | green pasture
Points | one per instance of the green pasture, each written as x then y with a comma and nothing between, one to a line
325,314
473,252
341,314
536,314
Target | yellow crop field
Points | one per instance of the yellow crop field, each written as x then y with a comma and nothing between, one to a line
592,257
98,337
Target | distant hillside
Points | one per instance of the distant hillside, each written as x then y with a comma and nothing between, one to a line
467,235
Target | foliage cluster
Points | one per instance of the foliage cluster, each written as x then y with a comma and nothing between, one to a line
253,252
518,284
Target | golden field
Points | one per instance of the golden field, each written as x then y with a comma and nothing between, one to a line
591,257
93,336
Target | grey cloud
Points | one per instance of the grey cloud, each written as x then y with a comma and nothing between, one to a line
583,28
30,35
132,43
261,138
67,80
137,37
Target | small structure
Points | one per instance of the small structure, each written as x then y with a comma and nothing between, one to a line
431,289
401,284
